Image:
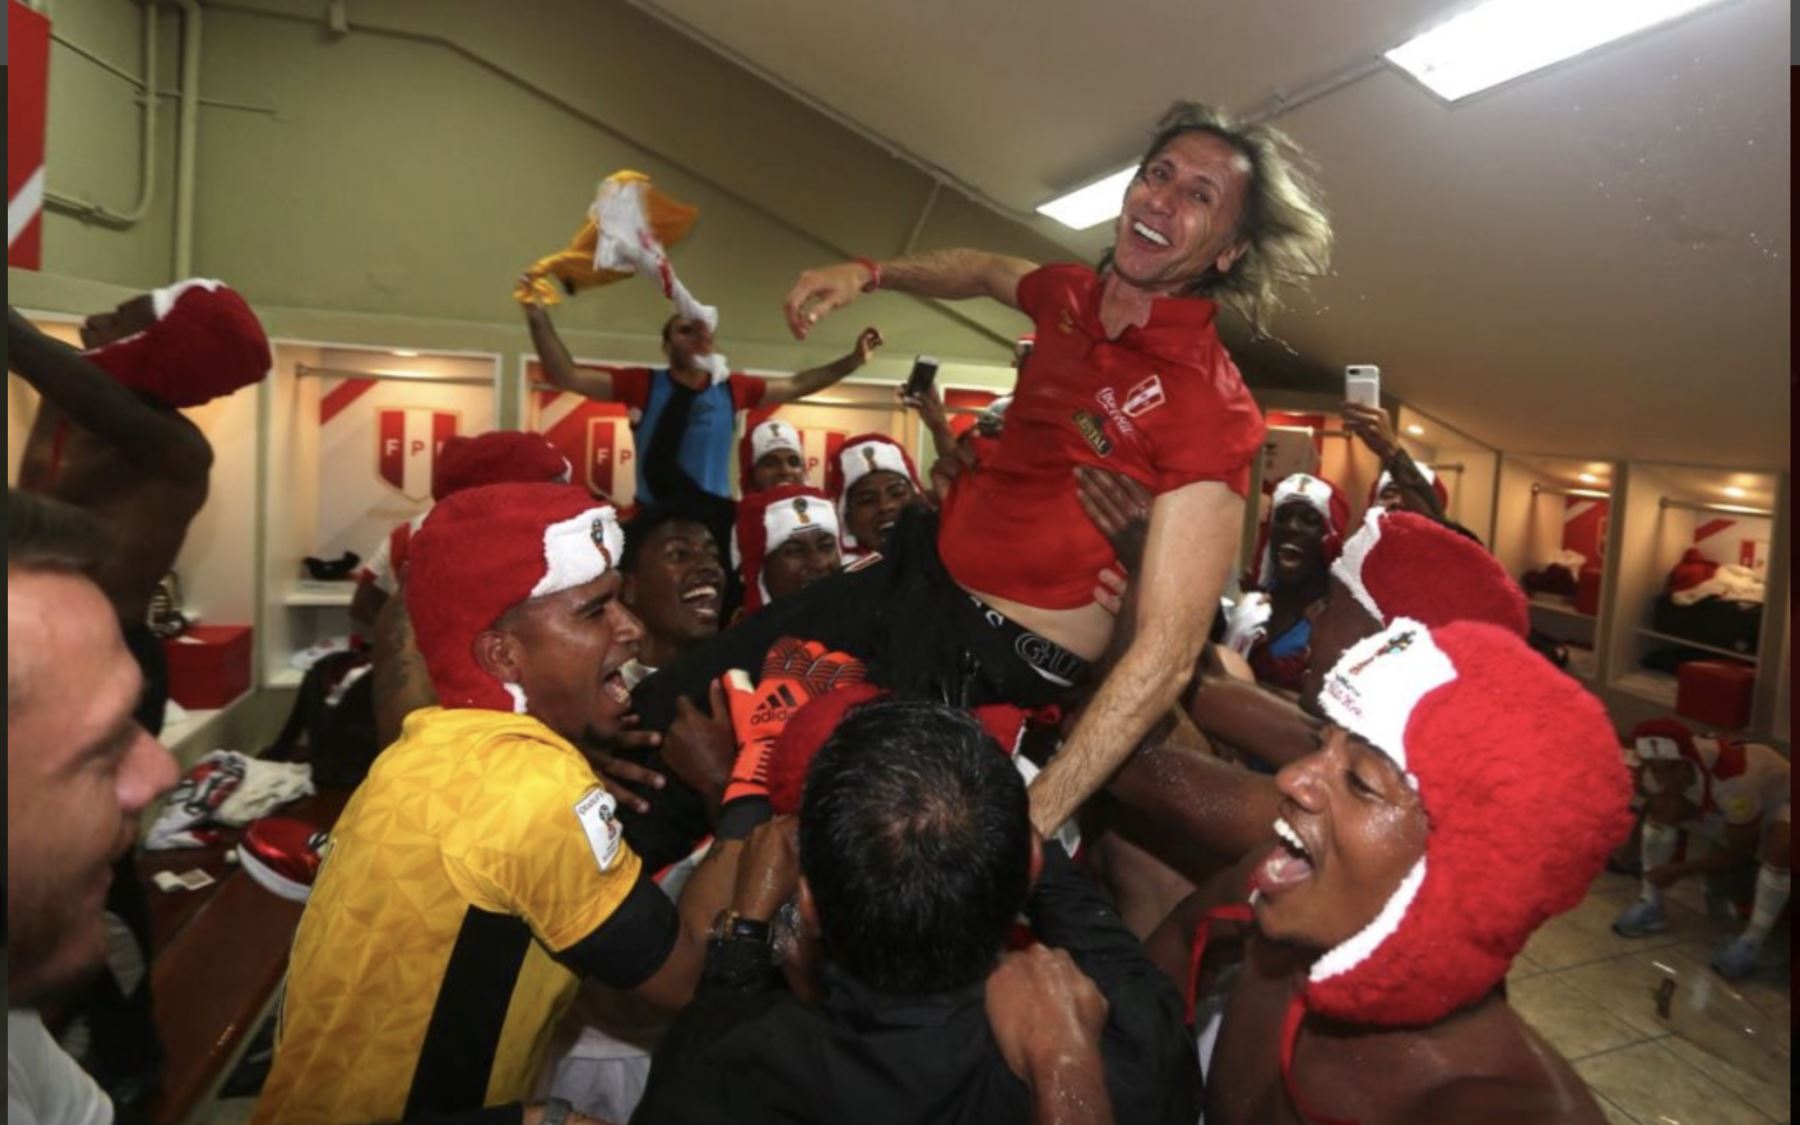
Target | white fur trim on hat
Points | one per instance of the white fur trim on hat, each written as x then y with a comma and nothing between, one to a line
867,457
784,519
1360,946
1373,688
1386,478
1349,565
772,435
580,549
164,299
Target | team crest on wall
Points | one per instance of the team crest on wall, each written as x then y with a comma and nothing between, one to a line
610,458
407,443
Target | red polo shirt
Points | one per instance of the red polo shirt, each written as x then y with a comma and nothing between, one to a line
1162,404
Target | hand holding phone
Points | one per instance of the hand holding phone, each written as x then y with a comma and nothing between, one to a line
1362,385
924,373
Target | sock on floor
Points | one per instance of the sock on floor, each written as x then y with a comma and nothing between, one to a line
1771,895
1658,848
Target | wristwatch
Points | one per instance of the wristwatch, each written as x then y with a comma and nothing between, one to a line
730,925
556,1112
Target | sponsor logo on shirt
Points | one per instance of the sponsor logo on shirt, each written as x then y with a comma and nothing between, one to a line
1109,399
1094,431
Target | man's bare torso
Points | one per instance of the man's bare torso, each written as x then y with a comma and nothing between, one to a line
148,514
1484,1053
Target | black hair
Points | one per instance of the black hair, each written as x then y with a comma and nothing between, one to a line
916,841
684,510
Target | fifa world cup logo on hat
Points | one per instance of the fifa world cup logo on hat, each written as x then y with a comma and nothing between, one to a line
868,453
800,511
1399,644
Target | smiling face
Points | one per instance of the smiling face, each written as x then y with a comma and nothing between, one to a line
777,467
805,558
1296,543
110,327
1350,830
1181,214
564,651
677,585
79,772
872,506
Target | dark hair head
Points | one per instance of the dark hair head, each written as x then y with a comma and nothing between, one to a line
915,840
1284,222
668,328
685,510
46,534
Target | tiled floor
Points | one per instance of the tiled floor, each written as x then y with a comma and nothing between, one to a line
1588,991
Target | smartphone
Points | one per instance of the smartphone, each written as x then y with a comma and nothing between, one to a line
924,373
1362,384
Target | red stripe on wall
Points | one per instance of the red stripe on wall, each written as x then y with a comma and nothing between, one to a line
1711,528
341,396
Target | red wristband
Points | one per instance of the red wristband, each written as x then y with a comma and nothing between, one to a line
874,281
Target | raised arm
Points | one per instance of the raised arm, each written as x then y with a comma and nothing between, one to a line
156,441
1187,556
1370,424
818,378
950,275
559,366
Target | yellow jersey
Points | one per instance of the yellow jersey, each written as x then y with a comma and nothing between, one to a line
476,865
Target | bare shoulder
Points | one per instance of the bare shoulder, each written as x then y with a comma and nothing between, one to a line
1529,1082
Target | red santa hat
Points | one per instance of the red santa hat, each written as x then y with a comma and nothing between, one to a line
204,343
1671,740
482,551
498,457
857,458
1693,570
765,438
1400,564
1520,777
1437,486
1318,493
766,520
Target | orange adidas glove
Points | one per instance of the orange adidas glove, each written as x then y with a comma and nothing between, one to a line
793,673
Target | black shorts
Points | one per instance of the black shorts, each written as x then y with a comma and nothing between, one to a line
920,633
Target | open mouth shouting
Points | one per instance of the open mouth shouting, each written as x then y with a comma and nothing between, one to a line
704,598
1289,863
1148,236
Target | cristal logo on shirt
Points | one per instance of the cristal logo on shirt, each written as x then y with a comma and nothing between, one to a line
1094,431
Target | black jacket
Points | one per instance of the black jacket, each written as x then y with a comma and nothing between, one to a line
745,1050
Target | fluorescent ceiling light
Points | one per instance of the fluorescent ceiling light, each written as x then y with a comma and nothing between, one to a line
404,353
1500,40
1092,205
1734,492
1588,478
1415,429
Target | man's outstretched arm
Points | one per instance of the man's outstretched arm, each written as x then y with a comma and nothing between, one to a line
818,378
559,366
950,275
155,441
1187,556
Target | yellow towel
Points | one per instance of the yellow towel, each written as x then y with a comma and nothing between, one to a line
574,268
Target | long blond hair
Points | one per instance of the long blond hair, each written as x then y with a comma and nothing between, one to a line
1284,224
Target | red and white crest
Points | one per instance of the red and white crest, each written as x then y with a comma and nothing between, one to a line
1145,397
407,442
609,459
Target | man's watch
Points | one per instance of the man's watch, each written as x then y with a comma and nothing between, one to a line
730,925
556,1112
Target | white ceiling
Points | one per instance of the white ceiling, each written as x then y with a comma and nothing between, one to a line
1591,262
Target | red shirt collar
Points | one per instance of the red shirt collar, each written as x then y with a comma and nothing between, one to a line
1180,329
